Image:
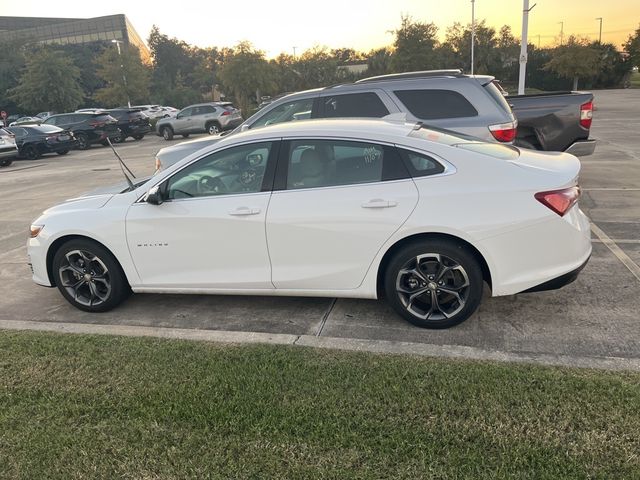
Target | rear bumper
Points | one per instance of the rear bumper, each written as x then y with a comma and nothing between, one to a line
582,148
8,153
558,282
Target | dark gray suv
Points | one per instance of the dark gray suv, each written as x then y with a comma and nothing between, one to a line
442,98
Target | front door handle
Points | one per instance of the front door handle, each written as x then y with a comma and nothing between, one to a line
379,203
244,211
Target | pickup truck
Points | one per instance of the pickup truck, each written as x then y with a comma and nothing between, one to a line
554,121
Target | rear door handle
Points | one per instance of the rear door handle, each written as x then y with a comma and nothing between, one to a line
379,203
244,211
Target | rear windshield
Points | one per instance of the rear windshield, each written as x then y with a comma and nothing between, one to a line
103,118
497,96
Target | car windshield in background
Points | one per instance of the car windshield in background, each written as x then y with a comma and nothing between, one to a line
47,128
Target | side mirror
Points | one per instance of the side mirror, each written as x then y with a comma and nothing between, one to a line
154,196
244,128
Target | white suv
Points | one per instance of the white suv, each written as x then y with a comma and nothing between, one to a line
211,118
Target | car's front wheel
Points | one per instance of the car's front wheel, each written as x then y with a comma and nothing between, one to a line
6,162
434,283
62,152
31,152
89,277
83,141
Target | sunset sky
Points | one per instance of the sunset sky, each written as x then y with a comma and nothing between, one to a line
279,25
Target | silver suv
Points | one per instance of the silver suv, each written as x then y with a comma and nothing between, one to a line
442,98
211,118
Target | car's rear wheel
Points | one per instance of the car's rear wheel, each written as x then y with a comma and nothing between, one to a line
213,129
119,138
89,277
138,137
167,133
62,152
30,152
83,141
434,283
6,162
185,135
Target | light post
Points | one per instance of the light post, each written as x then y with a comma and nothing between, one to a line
473,31
294,52
124,77
523,45
600,34
561,31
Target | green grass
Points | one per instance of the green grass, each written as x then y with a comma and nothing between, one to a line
96,407
635,80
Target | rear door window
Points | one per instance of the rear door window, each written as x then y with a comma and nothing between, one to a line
419,164
497,95
431,104
366,104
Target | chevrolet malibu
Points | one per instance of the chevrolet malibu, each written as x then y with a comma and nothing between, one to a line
334,208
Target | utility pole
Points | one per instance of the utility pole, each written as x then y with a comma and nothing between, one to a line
523,45
600,34
473,31
561,31
294,52
124,77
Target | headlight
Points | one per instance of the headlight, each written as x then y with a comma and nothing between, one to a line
35,230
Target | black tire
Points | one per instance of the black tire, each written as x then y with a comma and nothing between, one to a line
522,143
30,152
138,137
6,162
443,269
213,128
83,141
167,133
185,135
119,138
101,291
62,152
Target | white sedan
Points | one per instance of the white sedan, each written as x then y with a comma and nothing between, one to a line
333,208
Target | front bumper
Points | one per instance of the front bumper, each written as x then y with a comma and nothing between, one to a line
582,148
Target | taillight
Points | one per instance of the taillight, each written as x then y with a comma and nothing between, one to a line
225,113
504,132
586,115
560,201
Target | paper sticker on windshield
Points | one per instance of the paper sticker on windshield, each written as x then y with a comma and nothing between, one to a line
372,154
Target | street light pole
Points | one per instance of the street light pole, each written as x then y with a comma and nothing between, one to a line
124,77
473,31
600,34
561,31
523,45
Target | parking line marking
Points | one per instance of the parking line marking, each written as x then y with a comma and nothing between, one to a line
325,317
617,251
617,240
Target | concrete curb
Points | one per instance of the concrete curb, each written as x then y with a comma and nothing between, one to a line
350,344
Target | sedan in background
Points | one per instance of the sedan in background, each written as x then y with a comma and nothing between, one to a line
88,128
26,121
36,140
328,208
8,149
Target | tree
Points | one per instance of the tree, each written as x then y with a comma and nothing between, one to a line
379,62
49,82
245,73
574,60
632,47
113,68
487,58
12,62
415,45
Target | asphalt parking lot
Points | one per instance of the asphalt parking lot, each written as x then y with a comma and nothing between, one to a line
596,316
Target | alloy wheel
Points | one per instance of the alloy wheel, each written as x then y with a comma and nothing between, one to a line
85,277
432,286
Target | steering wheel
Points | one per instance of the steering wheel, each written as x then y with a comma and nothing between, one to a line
211,185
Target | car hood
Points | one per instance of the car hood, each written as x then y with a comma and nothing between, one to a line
116,188
81,203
